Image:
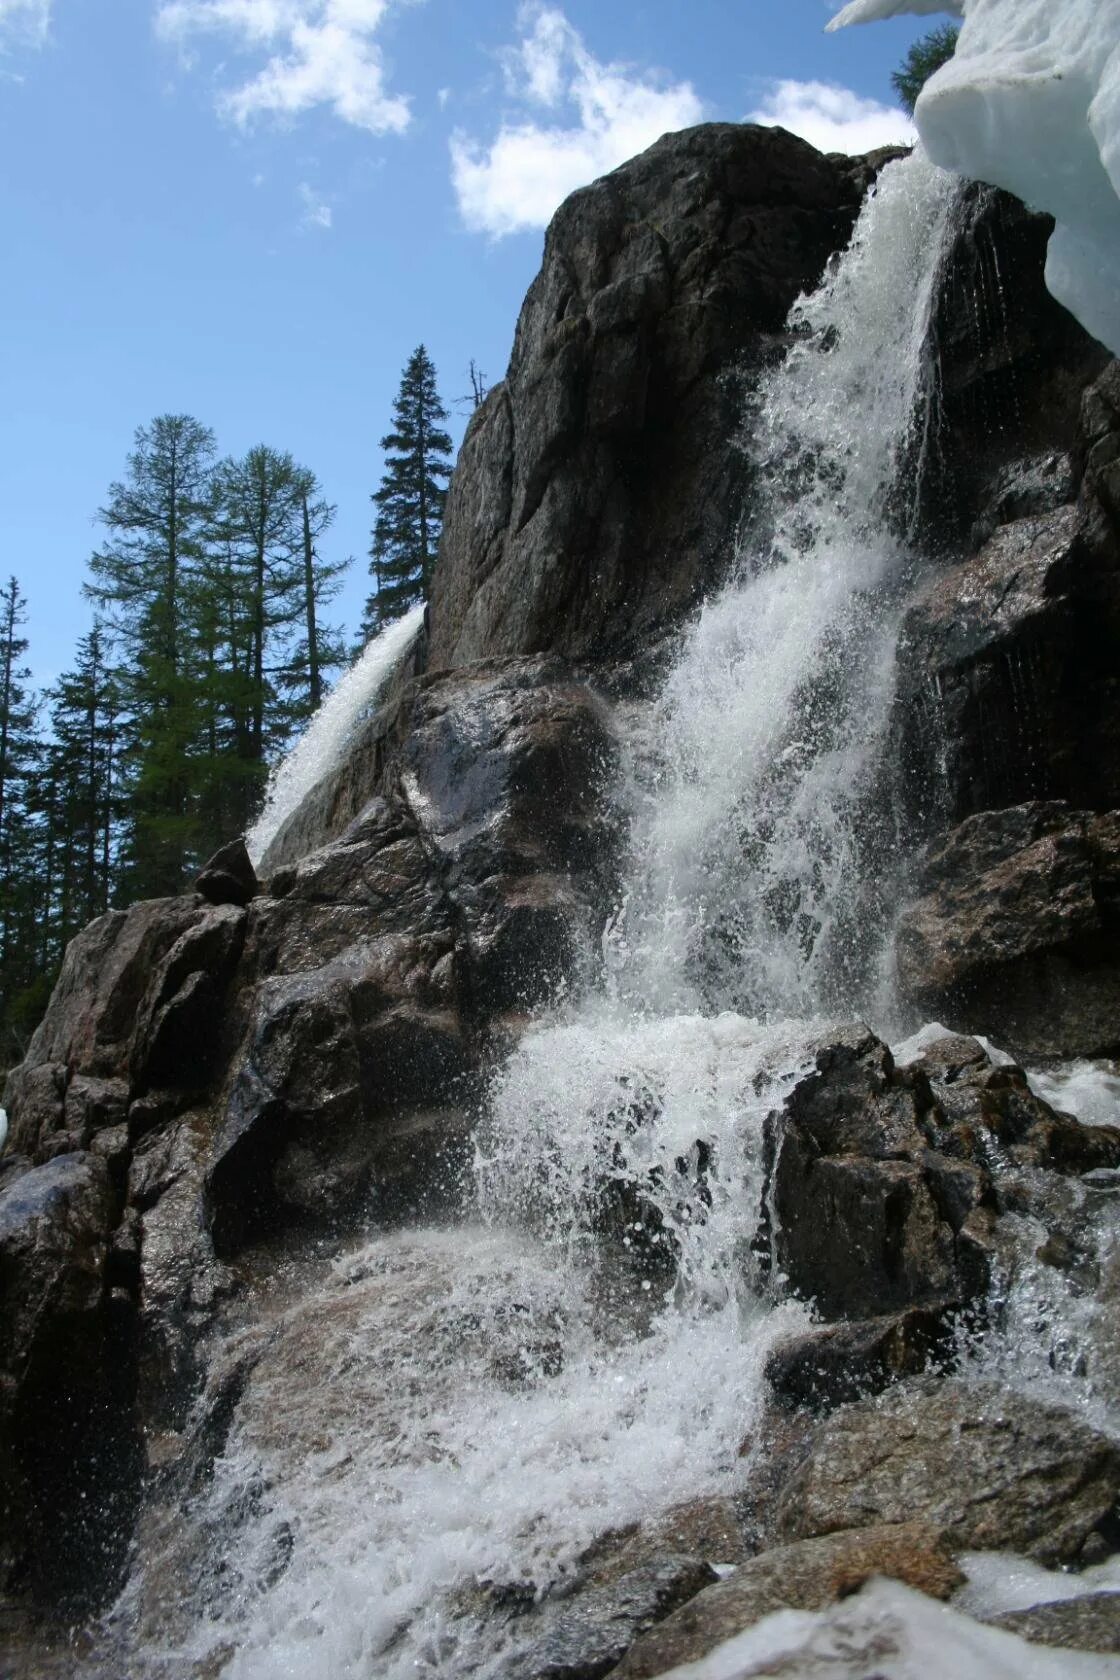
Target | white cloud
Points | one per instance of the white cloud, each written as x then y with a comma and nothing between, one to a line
24,23
316,212
321,53
832,118
519,179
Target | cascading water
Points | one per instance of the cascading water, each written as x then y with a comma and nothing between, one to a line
440,1423
323,744
750,883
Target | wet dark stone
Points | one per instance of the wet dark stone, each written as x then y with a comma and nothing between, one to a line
229,877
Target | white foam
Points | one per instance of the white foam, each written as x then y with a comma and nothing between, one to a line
1000,1581
750,819
1089,1090
322,746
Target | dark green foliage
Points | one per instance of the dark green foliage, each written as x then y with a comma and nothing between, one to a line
78,796
411,496
924,57
211,586
321,647
211,650
21,885
145,579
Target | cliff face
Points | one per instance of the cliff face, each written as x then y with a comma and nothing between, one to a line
596,494
243,1072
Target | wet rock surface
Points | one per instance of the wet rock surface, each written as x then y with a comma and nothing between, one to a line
993,1470
807,1575
1091,1623
590,1636
69,1448
869,1215
1014,929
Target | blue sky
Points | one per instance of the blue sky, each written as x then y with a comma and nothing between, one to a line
253,210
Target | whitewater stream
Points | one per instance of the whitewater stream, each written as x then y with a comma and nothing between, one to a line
441,1421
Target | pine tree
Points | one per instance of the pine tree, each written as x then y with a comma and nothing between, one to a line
411,496
79,797
144,580
20,880
924,57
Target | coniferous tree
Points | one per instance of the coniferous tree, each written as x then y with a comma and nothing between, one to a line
259,520
411,496
79,798
144,579
924,57
20,880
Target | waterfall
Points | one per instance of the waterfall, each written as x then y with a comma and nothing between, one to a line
323,744
753,829
464,1411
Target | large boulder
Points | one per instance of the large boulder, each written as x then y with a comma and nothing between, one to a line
869,1217
596,492
1014,930
139,1003
992,1469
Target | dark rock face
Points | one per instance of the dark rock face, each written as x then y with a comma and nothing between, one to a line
843,1362
1013,365
592,501
590,1636
69,1452
137,1005
1014,931
229,877
870,1216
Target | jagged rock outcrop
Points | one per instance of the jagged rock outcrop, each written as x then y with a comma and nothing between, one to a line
596,494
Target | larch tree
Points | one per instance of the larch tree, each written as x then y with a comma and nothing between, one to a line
410,498
144,580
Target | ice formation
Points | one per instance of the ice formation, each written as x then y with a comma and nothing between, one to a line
1031,102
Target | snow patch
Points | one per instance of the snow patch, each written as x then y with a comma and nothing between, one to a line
873,11
1030,102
